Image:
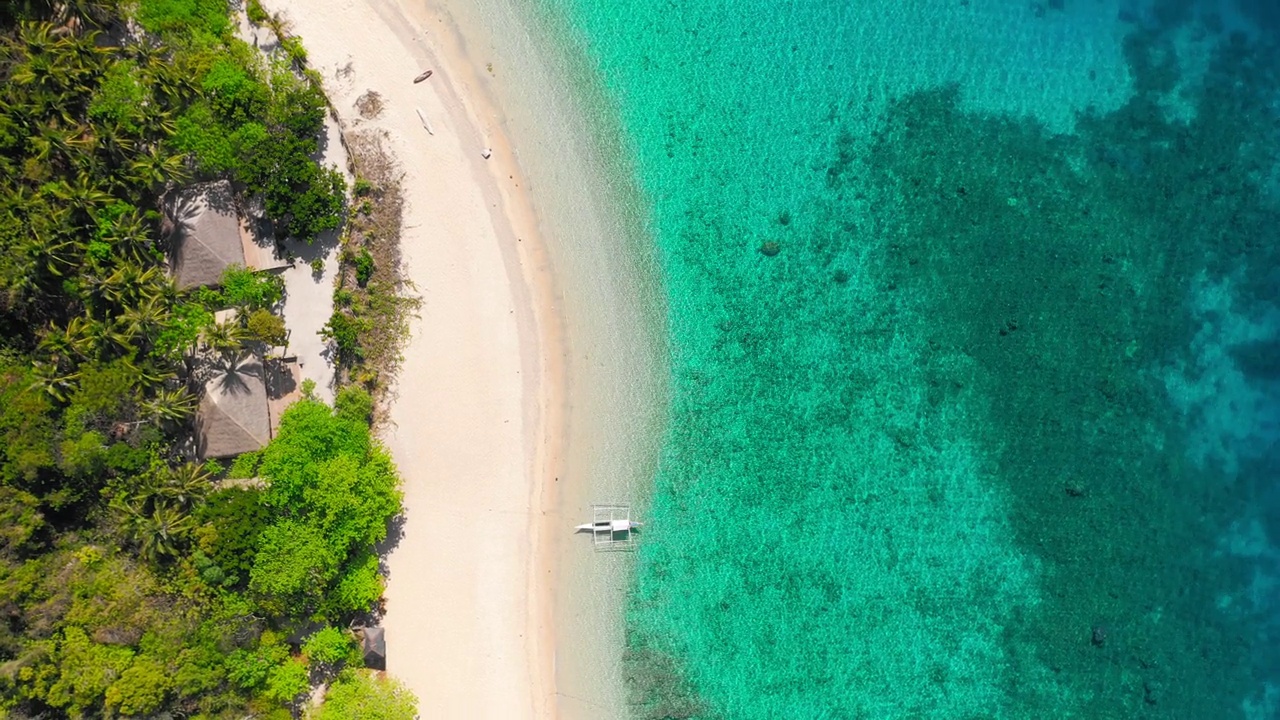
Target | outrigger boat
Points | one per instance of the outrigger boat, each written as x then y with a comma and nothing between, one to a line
611,528
608,526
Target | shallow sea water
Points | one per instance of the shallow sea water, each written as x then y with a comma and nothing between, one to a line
974,354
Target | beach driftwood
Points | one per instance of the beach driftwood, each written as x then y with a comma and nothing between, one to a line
422,77
425,122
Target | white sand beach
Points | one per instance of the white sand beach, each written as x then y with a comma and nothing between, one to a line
477,598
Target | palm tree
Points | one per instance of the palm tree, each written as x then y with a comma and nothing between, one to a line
54,381
127,283
81,195
76,340
54,253
57,346
63,12
39,37
54,140
145,318
19,198
94,13
107,334
226,337
158,123
151,169
173,84
129,509
158,534
114,142
170,406
39,76
162,534
149,374
52,71
132,239
91,164
147,53
185,485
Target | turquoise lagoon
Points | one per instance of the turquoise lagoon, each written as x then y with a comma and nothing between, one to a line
974,330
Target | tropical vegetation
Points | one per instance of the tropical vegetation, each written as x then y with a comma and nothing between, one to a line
135,580
361,695
372,301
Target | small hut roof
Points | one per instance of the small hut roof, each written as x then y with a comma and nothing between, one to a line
205,235
233,417
374,644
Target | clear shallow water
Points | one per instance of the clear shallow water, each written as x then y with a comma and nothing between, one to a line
975,355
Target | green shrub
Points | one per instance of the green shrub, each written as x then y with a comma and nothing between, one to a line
124,459
205,19
83,455
26,426
267,327
236,95
235,516
201,666
333,489
294,49
76,672
105,390
205,139
357,588
20,518
329,646
141,689
298,108
364,267
178,335
244,288
343,331
120,97
285,682
257,14
245,466
354,403
363,695
318,205
293,568
249,669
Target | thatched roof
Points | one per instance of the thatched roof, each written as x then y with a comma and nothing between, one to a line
233,417
204,236
374,644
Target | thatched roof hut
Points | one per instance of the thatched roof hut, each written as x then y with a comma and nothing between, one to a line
233,417
204,234
373,643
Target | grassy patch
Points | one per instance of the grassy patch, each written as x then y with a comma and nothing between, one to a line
371,323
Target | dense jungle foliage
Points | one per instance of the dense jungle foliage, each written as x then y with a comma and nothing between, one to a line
134,581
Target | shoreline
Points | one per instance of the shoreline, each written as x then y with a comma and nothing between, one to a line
595,220
491,608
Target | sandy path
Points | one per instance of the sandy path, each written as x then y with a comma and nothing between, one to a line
477,421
